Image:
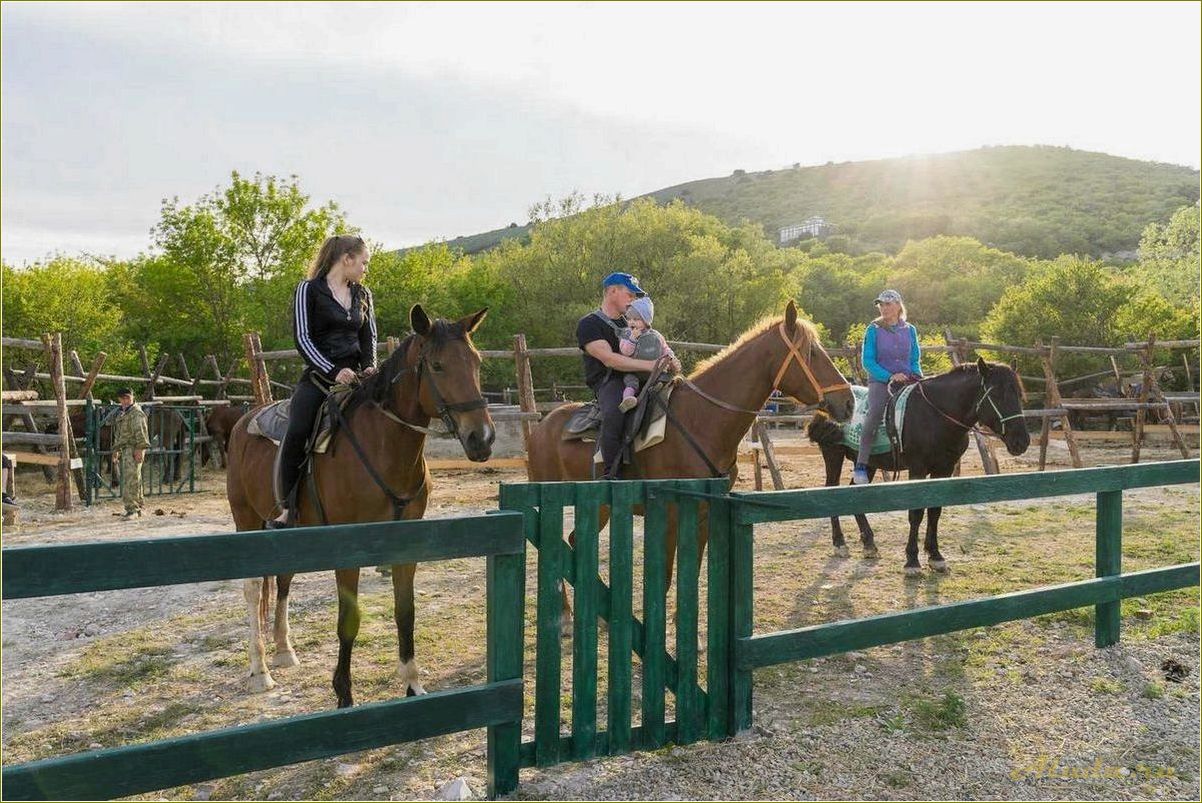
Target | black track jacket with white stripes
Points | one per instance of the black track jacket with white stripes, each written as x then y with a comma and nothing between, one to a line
327,335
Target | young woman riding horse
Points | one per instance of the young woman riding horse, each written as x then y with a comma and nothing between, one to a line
938,417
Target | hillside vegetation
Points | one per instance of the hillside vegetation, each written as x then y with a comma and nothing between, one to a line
1033,201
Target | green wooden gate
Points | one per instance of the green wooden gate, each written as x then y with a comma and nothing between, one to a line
133,769
700,712
170,465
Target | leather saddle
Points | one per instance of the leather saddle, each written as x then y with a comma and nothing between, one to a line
643,427
271,422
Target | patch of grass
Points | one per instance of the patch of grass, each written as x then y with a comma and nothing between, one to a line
831,713
123,660
946,713
892,724
897,779
1105,686
1153,691
1186,621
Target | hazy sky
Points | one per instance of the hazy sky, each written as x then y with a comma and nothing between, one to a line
429,121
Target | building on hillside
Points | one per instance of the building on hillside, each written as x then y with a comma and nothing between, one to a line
813,226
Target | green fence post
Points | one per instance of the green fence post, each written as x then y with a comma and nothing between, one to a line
548,660
655,528
719,652
506,616
1109,543
742,551
589,497
688,713
621,584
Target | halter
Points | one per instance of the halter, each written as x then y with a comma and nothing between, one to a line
794,355
443,408
976,408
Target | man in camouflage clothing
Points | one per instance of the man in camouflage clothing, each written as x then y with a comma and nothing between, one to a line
130,441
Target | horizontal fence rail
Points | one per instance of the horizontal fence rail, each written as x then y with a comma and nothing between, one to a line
39,571
873,631
768,506
139,768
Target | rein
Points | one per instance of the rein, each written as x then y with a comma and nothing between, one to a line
794,355
985,396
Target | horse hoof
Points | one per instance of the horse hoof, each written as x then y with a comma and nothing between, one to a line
842,551
939,566
284,660
913,571
871,553
260,683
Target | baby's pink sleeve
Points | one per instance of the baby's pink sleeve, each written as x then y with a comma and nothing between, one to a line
626,346
667,349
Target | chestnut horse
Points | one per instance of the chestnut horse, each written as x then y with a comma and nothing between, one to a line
716,406
434,373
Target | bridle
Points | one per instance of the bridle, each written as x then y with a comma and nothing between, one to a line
986,391
793,355
441,405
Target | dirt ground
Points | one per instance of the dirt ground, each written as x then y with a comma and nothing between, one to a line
1006,712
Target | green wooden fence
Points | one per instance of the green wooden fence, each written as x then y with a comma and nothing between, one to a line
536,512
1105,592
496,704
700,712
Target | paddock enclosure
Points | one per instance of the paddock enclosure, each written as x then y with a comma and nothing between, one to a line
176,671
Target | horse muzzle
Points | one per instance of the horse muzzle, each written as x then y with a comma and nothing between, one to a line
477,444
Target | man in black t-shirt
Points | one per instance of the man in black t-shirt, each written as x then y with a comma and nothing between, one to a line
604,365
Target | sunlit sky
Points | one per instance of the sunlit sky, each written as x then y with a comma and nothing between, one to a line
429,121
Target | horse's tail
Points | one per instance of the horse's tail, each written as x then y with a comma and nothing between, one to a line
823,431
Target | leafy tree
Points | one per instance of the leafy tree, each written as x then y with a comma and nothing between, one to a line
1073,298
67,295
1169,258
235,256
953,281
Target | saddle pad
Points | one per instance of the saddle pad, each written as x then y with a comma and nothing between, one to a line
272,423
854,428
585,423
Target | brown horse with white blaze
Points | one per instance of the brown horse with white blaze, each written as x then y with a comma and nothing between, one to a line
716,405
435,373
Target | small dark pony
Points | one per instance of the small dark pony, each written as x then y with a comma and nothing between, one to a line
939,415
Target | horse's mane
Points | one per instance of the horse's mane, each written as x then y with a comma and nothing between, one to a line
971,368
758,328
377,386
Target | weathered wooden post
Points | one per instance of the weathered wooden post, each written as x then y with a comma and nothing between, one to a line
526,403
54,354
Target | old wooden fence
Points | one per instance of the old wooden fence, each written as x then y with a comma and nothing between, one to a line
117,772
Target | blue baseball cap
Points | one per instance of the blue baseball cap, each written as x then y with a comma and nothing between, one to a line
623,280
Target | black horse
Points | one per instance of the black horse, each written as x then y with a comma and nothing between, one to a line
939,415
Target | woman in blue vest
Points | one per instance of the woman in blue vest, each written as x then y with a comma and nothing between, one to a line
890,354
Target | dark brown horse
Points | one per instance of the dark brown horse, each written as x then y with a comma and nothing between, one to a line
434,373
938,418
716,405
219,423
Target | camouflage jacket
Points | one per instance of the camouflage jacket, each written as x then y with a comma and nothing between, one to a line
129,429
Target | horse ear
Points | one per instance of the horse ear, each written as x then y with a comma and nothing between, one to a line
982,366
472,321
420,321
790,317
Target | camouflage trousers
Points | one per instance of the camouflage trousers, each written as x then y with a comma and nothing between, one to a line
131,481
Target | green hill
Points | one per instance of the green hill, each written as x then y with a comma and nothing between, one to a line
1036,201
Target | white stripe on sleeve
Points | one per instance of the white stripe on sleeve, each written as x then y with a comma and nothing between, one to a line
302,330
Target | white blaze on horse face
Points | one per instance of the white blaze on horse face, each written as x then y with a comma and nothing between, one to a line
409,677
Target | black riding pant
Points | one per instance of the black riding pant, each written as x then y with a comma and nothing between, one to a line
609,396
307,399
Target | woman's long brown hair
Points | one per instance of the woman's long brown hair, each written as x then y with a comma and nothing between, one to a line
332,250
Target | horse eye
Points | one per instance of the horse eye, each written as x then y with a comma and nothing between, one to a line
436,367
